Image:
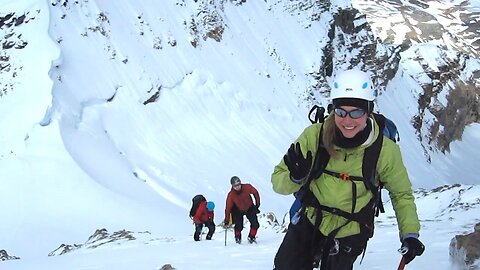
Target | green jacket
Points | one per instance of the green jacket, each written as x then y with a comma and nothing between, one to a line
334,192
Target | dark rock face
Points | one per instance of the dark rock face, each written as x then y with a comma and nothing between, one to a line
391,19
11,41
448,100
387,38
465,250
450,86
353,44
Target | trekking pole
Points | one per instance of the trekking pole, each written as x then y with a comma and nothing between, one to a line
225,236
401,266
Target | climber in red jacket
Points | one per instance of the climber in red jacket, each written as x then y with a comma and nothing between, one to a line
204,216
240,203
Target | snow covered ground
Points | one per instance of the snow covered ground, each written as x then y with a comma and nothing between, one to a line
445,213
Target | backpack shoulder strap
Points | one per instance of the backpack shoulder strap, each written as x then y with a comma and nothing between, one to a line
320,162
370,160
380,119
321,159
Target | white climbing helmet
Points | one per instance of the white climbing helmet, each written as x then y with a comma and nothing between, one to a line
352,83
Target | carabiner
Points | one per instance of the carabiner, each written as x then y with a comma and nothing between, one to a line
403,250
335,249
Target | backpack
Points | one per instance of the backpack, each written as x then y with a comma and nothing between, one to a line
390,131
366,215
196,200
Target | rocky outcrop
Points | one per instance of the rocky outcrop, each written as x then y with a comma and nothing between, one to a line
268,220
425,22
5,257
11,40
465,250
167,267
99,238
449,84
352,44
207,23
449,92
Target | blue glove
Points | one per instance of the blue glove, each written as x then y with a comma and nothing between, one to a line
297,164
411,248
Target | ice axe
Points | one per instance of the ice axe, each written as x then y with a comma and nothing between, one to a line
225,227
226,236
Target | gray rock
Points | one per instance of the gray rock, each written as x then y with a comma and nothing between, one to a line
465,250
4,256
167,267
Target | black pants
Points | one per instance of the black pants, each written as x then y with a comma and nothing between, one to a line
198,230
251,214
302,243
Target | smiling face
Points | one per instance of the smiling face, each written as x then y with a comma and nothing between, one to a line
349,126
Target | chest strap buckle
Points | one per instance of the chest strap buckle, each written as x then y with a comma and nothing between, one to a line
344,176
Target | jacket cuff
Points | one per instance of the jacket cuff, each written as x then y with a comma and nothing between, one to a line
410,235
297,181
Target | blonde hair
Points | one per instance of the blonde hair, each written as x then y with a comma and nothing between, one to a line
329,135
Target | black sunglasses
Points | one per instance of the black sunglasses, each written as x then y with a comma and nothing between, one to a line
354,114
